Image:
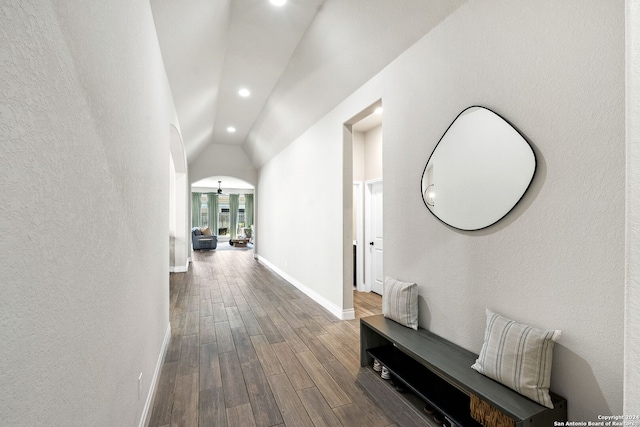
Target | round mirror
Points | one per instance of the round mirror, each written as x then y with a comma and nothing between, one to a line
479,170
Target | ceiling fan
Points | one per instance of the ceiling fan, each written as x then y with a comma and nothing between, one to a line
220,193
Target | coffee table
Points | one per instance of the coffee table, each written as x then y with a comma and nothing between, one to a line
239,243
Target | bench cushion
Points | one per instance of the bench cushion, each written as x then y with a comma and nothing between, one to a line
400,302
518,356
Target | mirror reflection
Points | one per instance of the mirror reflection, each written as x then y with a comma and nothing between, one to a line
478,171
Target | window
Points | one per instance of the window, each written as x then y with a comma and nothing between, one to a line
204,211
223,221
241,218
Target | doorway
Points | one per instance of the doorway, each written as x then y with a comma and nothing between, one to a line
226,206
367,201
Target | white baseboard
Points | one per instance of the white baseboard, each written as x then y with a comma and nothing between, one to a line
146,411
180,268
348,314
341,314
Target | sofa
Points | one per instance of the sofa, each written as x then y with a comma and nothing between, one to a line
203,239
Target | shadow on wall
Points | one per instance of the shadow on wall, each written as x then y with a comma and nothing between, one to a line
424,318
574,366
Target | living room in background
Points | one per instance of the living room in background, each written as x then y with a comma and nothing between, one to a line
204,211
215,208
212,211
195,209
228,219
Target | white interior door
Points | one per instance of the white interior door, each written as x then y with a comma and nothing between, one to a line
376,244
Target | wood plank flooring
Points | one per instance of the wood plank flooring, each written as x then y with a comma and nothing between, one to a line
249,349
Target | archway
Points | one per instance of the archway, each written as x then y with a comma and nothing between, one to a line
227,206
178,204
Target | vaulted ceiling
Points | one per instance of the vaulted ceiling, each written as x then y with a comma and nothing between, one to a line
298,61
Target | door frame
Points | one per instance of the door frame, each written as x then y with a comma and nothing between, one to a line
358,191
348,209
368,230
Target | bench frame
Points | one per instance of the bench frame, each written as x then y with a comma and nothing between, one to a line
440,373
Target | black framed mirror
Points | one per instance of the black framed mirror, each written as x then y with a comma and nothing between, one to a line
478,171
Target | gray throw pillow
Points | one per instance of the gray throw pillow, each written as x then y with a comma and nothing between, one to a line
518,356
400,302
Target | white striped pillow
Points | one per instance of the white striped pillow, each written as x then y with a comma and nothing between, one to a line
400,302
518,356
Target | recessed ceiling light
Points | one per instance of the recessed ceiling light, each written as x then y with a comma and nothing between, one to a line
244,92
378,110
231,129
278,2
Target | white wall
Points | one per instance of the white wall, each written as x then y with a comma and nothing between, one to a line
632,306
226,190
301,210
556,261
358,156
300,215
180,243
172,213
222,160
84,111
373,153
182,238
367,154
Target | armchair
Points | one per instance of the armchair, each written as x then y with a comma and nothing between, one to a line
203,241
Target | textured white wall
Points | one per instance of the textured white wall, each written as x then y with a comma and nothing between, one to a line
632,313
358,156
358,170
222,160
373,153
172,213
557,260
84,111
182,242
300,195
179,204
300,214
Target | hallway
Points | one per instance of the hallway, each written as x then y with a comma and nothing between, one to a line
247,348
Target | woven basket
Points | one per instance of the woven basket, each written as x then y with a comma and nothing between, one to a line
487,415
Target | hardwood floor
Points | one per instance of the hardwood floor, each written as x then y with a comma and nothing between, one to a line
249,349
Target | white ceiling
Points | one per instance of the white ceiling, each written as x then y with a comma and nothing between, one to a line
299,61
227,183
